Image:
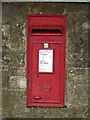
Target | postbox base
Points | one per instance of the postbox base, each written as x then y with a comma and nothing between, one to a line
45,105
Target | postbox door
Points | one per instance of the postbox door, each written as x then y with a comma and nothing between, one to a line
47,73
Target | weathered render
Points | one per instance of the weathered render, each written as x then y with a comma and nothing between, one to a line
14,19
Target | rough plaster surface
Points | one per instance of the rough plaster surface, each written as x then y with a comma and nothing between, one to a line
14,60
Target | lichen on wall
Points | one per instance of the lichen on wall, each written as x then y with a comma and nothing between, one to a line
14,24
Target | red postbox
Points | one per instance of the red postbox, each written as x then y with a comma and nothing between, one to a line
46,41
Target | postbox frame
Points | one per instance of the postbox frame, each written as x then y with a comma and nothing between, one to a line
29,66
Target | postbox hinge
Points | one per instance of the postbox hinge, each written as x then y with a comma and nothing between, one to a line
30,82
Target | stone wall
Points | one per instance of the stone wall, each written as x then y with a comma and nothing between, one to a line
14,19
0,61
45,0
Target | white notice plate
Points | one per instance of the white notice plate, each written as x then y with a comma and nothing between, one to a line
45,61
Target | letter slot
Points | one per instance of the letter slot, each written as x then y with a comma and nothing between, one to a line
46,31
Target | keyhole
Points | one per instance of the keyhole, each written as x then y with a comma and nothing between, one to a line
37,75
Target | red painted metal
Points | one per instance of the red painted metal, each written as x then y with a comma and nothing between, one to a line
46,88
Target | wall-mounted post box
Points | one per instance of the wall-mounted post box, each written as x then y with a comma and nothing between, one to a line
46,41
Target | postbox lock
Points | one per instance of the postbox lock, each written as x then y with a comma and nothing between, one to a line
46,45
